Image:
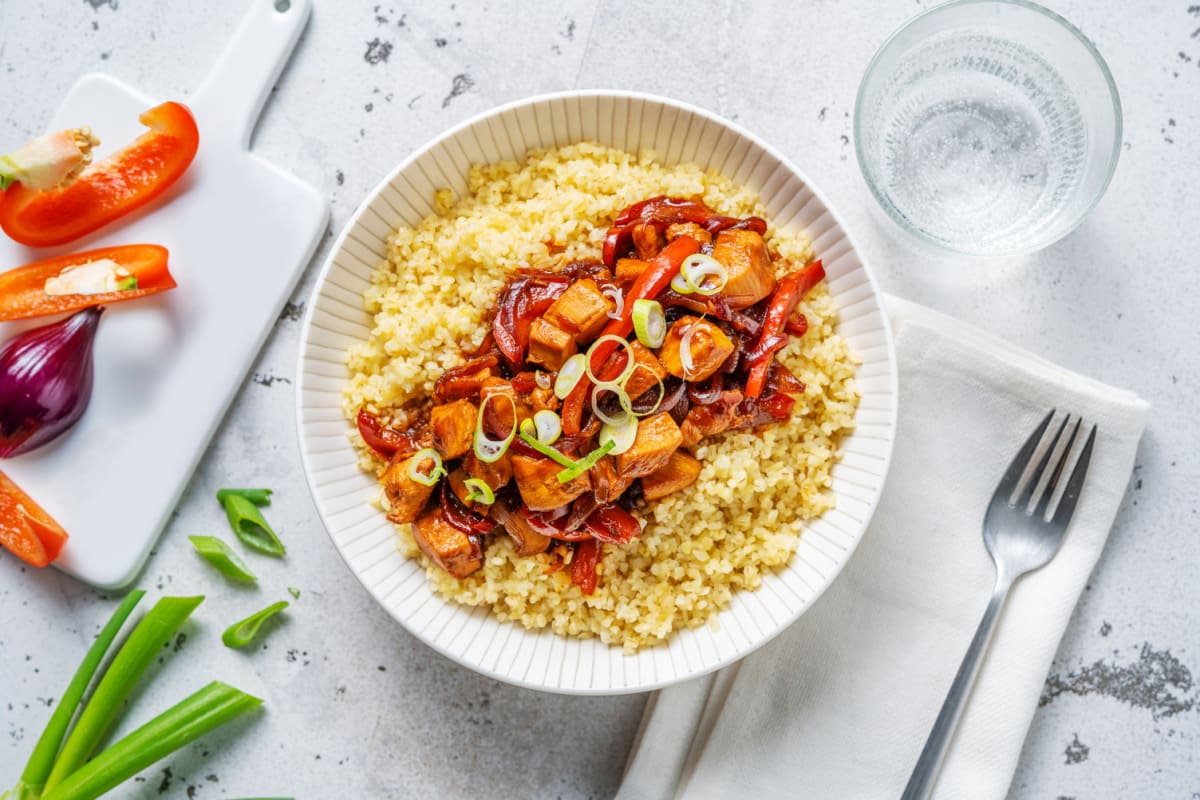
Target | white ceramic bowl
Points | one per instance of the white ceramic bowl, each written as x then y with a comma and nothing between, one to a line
335,320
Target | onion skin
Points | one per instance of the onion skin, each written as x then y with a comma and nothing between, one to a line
45,382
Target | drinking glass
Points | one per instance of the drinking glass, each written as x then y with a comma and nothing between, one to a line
988,127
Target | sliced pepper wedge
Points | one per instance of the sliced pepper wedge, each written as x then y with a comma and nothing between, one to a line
106,190
23,290
26,530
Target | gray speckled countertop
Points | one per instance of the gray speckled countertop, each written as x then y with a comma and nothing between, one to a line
356,706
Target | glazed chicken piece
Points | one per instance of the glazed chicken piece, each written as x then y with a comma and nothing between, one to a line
581,311
537,480
657,438
680,471
712,418
709,348
647,240
647,372
550,345
496,474
628,269
405,496
607,485
450,548
750,274
453,427
498,413
677,229
526,541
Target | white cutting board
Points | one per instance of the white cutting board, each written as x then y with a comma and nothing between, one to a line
240,231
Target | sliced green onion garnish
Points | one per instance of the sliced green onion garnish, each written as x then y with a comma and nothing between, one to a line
621,436
547,426
479,491
649,322
680,284
250,526
222,556
697,267
42,759
622,398
548,451
419,459
528,428
183,723
294,592
584,464
241,633
260,497
108,698
572,370
614,294
625,372
491,450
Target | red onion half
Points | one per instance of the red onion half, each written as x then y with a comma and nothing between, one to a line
45,381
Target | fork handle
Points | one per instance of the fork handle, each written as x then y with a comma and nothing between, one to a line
924,776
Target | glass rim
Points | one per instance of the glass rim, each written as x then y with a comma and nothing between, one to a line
889,208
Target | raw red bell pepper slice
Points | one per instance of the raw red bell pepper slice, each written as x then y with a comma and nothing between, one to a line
106,190
23,290
26,530
583,567
787,295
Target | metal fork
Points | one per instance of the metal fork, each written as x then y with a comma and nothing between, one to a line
1022,530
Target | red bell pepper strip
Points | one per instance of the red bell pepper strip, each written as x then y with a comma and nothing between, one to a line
106,190
611,523
384,440
23,290
26,530
783,303
583,567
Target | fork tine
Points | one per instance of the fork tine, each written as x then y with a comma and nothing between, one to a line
1070,496
1014,475
1035,459
1056,465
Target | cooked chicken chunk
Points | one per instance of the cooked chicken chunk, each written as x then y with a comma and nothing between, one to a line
607,485
709,348
526,541
453,427
498,413
647,372
677,229
405,496
581,310
628,269
550,345
537,480
496,474
647,240
452,550
744,256
681,471
712,418
657,438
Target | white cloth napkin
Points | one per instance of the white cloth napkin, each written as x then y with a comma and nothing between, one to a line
840,704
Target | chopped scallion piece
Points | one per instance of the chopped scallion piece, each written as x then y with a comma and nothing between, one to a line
250,526
649,322
221,556
547,426
621,436
294,592
587,462
548,451
479,491
569,375
241,633
419,459
488,450
260,497
601,343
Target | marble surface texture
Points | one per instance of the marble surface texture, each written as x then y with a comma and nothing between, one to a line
356,706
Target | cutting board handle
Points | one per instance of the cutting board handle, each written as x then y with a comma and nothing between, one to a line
228,101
